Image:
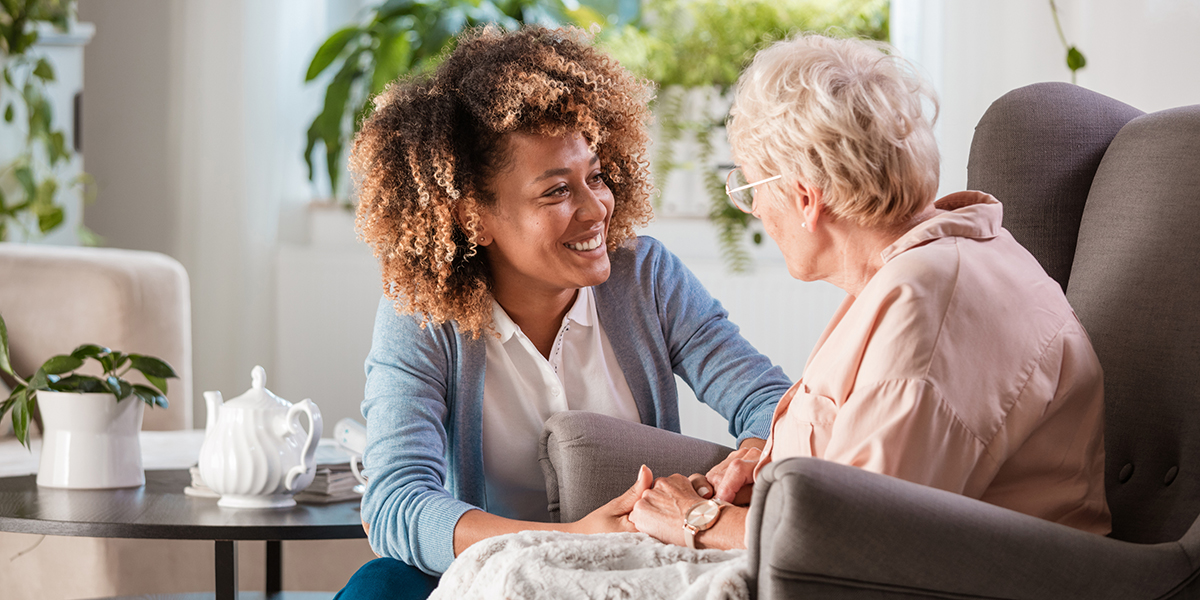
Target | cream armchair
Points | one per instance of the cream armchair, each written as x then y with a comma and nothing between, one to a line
55,298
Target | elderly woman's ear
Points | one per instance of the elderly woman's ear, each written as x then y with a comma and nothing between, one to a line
804,200
811,201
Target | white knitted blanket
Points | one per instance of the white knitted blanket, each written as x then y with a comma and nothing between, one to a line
547,564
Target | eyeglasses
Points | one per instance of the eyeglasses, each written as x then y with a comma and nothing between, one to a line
741,192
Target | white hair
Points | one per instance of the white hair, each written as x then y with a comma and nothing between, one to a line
845,116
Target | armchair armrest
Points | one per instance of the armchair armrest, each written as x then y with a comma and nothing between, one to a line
589,459
830,530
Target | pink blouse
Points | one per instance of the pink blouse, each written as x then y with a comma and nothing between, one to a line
962,367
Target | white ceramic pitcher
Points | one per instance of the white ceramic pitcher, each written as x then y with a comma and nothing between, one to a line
255,454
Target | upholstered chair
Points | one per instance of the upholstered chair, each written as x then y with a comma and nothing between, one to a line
1108,200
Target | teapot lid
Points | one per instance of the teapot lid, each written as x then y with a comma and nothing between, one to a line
258,391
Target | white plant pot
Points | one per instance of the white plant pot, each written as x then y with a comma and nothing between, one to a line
90,441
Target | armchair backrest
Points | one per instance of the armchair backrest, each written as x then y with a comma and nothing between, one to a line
1117,222
54,298
1036,149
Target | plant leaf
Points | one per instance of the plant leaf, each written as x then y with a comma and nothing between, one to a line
61,364
84,384
157,382
20,417
392,7
39,381
149,395
57,147
24,176
44,70
49,219
392,59
118,387
9,115
328,125
119,360
12,398
151,366
89,351
5,365
1075,59
329,51
45,195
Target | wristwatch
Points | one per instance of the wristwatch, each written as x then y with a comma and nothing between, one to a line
701,517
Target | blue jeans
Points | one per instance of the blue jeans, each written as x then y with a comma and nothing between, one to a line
388,579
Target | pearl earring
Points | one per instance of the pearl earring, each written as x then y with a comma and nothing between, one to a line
804,226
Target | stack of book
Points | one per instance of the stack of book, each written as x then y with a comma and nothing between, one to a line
334,481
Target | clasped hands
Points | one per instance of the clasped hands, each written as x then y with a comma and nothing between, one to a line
657,506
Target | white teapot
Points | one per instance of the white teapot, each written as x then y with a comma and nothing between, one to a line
255,454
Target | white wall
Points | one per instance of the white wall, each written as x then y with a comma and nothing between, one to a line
1141,52
194,120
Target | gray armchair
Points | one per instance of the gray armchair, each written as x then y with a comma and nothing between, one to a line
1108,199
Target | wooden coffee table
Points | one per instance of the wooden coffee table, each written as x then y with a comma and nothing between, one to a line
160,510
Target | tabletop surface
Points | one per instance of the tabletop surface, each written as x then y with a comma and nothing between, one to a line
161,510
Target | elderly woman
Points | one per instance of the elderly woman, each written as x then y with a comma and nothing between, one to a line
954,361
500,195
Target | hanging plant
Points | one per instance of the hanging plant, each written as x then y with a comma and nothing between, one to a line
31,182
401,37
1075,58
684,45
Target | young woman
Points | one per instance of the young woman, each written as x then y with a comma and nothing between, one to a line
500,195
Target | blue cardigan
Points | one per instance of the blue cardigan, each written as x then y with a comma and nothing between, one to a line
424,395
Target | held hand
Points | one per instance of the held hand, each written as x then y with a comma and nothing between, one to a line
614,516
661,510
733,479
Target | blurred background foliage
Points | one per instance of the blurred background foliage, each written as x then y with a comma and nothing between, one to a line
694,50
30,181
405,37
680,45
694,43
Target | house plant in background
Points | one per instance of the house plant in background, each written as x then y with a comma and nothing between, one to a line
399,37
35,159
694,50
90,424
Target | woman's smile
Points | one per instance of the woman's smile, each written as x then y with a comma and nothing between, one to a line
589,244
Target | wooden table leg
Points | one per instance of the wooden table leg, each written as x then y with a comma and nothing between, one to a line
226,563
274,567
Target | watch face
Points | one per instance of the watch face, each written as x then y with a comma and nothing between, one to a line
702,514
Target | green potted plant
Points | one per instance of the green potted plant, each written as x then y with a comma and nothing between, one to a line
32,178
399,37
90,424
694,50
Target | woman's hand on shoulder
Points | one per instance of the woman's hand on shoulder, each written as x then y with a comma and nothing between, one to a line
614,516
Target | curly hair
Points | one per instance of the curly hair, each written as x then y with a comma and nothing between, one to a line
423,160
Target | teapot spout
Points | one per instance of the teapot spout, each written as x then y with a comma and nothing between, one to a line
214,401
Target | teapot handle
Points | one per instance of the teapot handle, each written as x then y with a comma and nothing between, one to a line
315,425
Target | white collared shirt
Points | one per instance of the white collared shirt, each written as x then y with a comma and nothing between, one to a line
522,389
